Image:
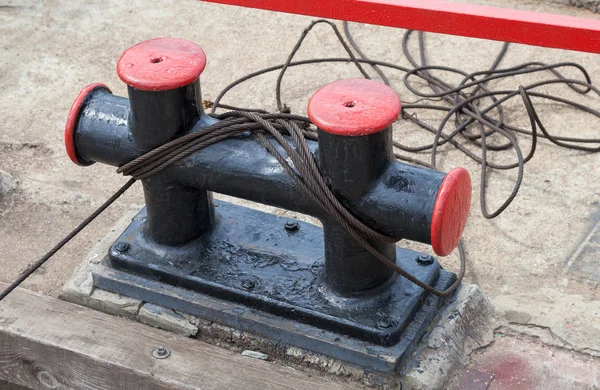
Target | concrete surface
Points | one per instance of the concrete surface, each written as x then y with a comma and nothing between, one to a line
7,183
519,363
255,355
591,5
79,288
465,326
167,319
51,49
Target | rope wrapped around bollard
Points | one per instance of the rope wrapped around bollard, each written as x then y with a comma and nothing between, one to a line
303,169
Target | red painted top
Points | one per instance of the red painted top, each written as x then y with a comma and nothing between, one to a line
354,107
450,211
161,64
74,116
450,17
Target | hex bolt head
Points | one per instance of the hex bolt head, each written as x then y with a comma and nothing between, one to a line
385,323
248,284
122,246
161,353
425,259
292,226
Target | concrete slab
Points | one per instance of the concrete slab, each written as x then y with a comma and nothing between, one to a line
474,380
80,290
465,326
467,323
591,5
570,318
111,303
584,262
167,319
255,355
528,364
7,183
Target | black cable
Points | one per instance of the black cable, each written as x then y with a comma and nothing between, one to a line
362,55
280,106
465,105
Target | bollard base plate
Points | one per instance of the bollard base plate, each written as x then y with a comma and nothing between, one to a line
263,279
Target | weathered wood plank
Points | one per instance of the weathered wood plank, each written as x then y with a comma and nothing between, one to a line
10,386
50,344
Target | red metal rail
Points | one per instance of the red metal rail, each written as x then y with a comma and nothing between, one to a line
501,24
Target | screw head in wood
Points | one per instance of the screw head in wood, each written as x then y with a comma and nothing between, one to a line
161,353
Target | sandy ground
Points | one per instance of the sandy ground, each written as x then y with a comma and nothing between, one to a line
51,49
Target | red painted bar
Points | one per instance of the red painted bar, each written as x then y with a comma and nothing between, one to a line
500,24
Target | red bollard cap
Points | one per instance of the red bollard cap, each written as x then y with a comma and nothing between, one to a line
450,211
354,107
74,116
161,64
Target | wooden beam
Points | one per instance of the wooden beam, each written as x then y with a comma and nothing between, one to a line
50,344
11,386
449,17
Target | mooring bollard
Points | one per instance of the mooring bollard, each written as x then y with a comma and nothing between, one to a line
278,269
354,119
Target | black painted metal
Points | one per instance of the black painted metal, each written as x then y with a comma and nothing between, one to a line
398,204
157,117
317,278
352,165
177,213
265,266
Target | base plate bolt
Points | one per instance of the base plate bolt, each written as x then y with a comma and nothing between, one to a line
122,246
384,323
161,353
425,259
248,285
291,226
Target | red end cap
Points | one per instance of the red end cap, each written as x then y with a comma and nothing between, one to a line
450,211
161,64
74,116
354,107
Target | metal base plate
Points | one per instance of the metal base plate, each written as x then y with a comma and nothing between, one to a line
252,274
